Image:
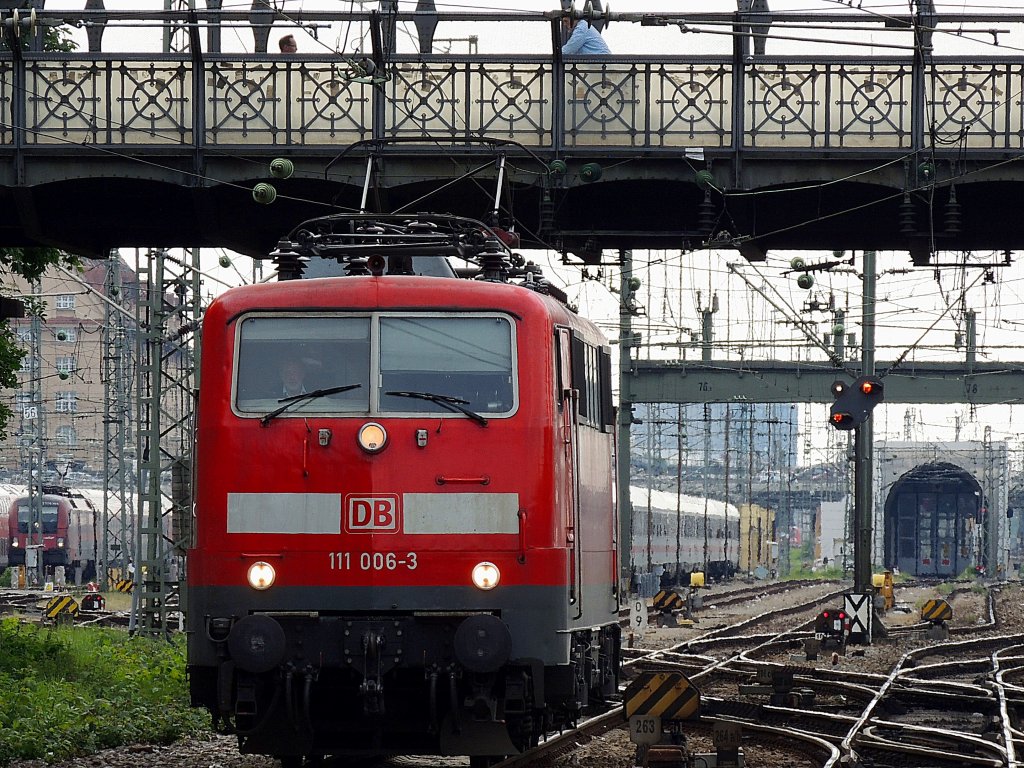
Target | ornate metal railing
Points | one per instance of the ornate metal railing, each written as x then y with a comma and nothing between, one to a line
616,104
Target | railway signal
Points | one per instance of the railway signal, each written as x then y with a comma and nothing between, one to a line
854,402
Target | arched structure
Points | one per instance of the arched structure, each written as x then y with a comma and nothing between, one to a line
935,521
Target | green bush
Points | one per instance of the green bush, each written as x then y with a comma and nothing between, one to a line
74,691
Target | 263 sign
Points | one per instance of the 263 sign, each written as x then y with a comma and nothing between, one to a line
638,615
645,729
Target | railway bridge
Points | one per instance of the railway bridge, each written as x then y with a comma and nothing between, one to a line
747,148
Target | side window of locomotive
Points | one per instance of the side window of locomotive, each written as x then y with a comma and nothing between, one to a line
469,358
591,372
282,356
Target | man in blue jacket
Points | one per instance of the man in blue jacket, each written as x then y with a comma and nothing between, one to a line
583,39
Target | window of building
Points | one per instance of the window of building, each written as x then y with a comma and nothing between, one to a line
65,333
22,398
28,363
67,436
65,301
66,364
66,402
24,334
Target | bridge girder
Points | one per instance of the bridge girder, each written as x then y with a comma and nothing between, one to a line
784,382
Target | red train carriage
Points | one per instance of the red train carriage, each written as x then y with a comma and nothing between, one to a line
7,496
67,522
414,552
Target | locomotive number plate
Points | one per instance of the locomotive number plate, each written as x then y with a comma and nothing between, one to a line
373,561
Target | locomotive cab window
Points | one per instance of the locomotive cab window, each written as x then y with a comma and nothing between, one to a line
430,360
466,358
28,522
280,357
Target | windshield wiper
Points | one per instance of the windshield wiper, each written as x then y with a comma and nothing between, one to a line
293,399
455,404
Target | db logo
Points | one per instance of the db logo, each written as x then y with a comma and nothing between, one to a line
372,514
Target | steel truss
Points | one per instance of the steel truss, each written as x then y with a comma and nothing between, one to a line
168,315
117,535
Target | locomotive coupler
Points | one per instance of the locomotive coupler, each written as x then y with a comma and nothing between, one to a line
481,701
372,687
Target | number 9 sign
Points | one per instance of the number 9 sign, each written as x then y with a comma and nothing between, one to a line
638,615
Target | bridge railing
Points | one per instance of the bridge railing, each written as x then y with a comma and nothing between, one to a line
624,104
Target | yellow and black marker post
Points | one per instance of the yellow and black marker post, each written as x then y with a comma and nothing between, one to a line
656,704
938,612
62,609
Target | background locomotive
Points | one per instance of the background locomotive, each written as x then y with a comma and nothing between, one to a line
416,553
8,493
67,519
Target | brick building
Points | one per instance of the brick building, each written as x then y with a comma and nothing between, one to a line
69,368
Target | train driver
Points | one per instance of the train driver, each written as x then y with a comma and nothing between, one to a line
293,376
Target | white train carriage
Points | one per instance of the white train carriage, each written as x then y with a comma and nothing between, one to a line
679,534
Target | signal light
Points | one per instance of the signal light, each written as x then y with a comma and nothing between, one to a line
842,420
853,404
824,615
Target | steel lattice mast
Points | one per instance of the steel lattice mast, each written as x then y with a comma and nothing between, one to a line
118,531
168,317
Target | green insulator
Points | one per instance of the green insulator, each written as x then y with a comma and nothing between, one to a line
63,375
634,283
558,167
264,193
591,172
838,329
224,261
281,168
926,171
805,281
704,179
796,263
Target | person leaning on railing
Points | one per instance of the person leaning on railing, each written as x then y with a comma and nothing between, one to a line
287,44
583,38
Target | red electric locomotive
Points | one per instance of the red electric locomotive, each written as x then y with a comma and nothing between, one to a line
405,521
63,527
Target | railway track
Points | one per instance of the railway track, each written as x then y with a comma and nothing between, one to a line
940,704
31,605
852,715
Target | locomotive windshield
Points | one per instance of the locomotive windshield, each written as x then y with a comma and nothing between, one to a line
25,518
468,359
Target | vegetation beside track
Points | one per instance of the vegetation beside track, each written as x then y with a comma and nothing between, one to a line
73,691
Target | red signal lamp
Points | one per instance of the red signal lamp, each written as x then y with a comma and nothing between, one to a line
842,420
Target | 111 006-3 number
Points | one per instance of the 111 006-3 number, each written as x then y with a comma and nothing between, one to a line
372,561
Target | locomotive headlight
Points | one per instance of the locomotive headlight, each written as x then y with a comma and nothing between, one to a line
60,542
372,437
486,575
261,575
14,542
